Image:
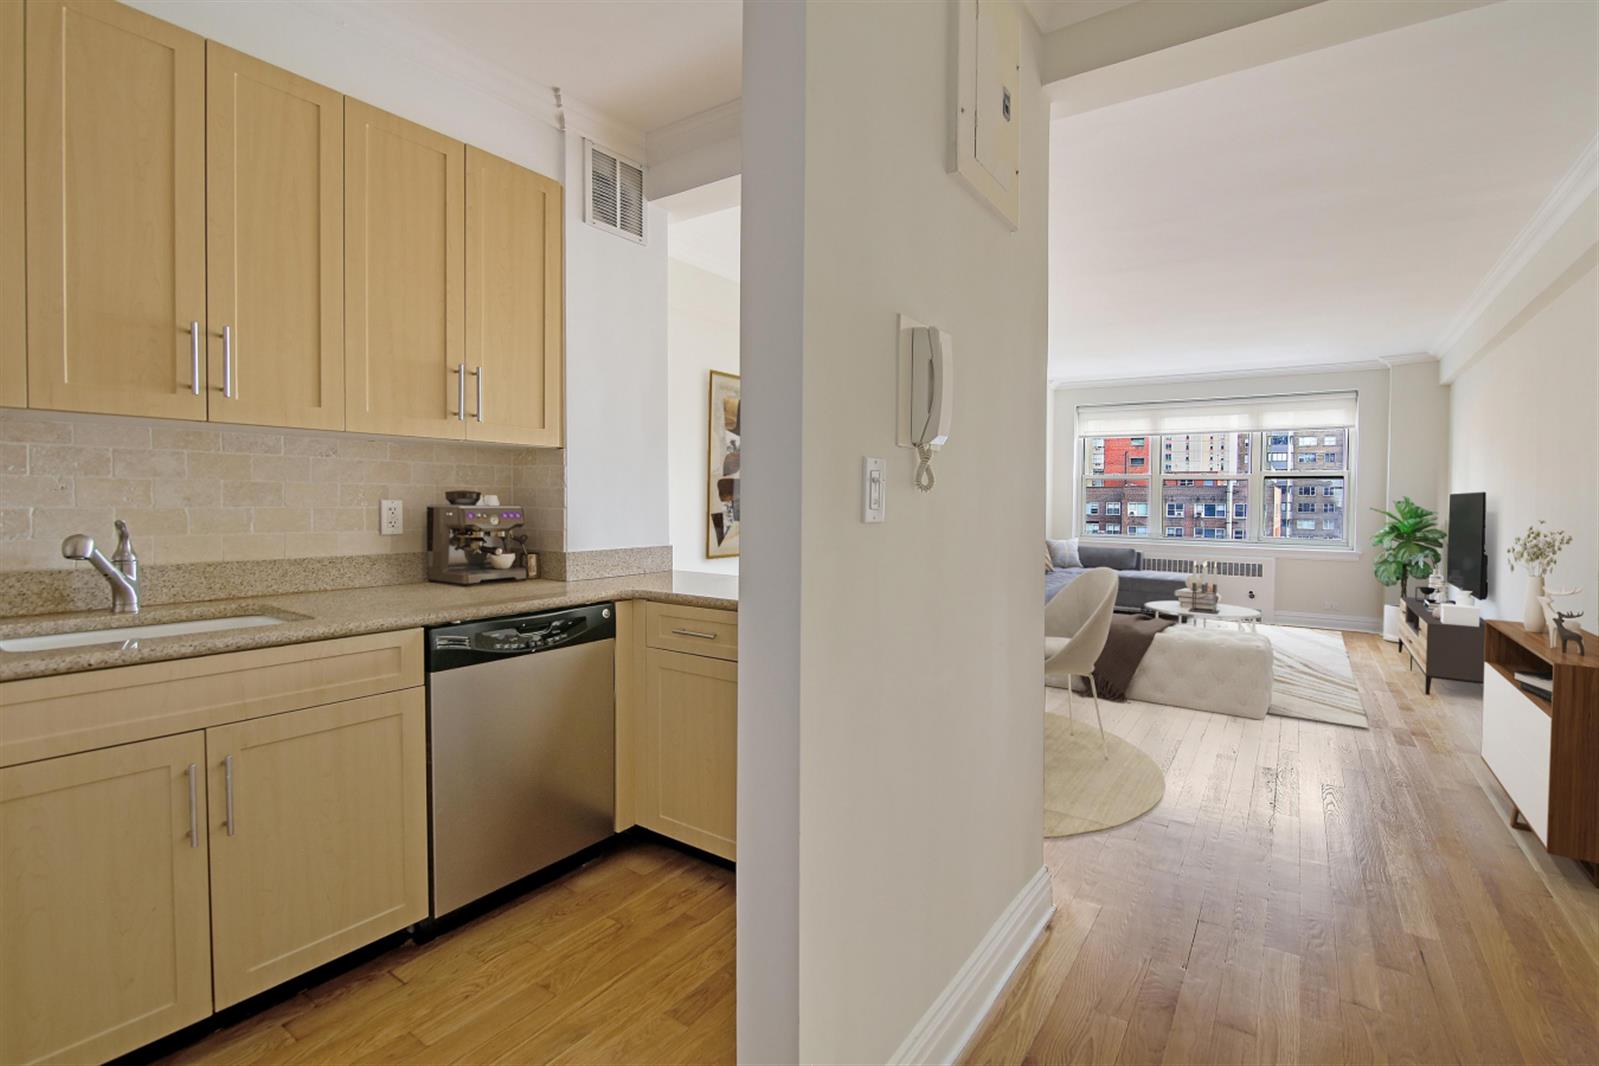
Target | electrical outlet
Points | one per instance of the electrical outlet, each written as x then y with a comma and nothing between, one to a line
391,517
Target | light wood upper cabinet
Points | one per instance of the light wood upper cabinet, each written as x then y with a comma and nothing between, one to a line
275,245
318,835
103,900
687,750
405,225
13,259
514,330
116,210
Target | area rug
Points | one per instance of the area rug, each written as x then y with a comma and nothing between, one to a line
1312,678
1086,791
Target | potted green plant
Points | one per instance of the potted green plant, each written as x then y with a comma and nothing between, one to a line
1410,543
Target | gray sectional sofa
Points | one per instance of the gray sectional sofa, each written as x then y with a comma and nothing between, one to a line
1136,587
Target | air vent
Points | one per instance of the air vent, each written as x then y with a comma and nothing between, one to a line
615,199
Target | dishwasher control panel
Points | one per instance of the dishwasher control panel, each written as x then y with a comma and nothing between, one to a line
469,643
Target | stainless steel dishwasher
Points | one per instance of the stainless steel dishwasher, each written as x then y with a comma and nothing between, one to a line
522,746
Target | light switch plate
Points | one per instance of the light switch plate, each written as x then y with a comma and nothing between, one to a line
391,517
874,490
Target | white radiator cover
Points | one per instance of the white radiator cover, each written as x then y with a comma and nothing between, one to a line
1241,582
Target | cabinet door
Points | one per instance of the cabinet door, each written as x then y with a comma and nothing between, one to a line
275,245
116,211
687,753
514,339
405,228
13,261
318,836
104,932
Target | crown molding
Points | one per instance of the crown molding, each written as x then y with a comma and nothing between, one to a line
1392,361
1563,200
573,116
719,123
374,21
1353,367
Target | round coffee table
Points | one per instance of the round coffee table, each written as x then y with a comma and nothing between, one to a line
1224,612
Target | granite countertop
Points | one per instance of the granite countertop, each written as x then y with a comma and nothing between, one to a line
341,613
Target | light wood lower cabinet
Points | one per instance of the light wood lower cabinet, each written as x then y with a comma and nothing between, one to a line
319,836
104,924
686,784
218,824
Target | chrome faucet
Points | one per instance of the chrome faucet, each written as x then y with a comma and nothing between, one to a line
121,570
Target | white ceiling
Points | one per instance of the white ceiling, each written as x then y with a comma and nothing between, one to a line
1051,15
708,241
1336,207
646,63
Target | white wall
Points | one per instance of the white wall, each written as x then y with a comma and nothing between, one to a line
890,683
616,493
1523,420
701,336
615,288
1332,588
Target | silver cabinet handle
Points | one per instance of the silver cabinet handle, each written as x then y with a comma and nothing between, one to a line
194,356
460,391
693,633
227,776
478,374
228,389
194,807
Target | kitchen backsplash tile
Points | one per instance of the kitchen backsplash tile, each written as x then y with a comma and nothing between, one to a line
205,494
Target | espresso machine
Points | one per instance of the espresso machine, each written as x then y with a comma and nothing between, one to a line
470,544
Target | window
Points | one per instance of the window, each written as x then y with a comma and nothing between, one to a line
1108,491
1287,499
1269,486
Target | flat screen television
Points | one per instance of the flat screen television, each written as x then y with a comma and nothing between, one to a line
1466,556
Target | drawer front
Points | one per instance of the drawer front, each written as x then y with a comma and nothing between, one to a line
1515,745
695,630
48,716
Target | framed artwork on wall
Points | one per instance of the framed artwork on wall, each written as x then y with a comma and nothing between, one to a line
722,469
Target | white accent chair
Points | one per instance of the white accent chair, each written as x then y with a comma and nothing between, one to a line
1076,625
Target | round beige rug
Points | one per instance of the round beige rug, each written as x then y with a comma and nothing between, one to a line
1083,790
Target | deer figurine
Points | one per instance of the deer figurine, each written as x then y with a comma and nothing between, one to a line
1567,635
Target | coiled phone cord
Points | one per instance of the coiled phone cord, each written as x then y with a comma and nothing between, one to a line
924,468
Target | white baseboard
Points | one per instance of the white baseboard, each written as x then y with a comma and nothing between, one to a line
1354,622
941,1035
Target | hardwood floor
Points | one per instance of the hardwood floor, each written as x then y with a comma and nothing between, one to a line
627,959
1304,893
1312,893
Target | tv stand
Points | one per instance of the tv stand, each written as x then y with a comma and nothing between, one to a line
1544,751
1452,652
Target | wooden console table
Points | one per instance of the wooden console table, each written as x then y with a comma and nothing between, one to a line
1452,652
1545,752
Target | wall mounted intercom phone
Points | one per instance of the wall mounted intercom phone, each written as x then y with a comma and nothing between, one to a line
927,393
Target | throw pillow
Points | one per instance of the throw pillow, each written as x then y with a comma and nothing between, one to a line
1063,553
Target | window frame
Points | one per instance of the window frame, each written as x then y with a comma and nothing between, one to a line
1254,523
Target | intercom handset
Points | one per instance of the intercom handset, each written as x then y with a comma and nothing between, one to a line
932,398
927,393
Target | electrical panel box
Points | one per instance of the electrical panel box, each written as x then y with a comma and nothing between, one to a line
984,148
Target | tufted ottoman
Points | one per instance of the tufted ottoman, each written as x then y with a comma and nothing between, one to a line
1215,669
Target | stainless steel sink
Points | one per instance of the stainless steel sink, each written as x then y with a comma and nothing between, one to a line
134,634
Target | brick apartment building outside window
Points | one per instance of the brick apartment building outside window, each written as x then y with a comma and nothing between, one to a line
1260,486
